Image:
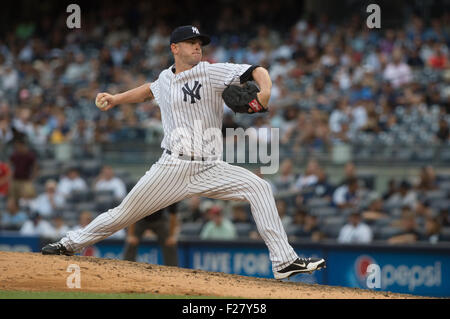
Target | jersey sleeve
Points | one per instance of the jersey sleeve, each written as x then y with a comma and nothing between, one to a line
224,74
154,86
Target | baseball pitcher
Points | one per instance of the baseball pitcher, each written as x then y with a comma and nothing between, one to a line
190,94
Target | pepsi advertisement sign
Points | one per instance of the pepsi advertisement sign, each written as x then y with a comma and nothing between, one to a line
419,274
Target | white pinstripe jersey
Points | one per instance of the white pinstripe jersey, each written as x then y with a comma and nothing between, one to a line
191,103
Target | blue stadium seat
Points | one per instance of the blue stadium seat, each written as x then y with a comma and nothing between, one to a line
385,232
190,229
243,229
445,234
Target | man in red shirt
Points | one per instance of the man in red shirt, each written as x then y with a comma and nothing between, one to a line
438,60
5,174
23,162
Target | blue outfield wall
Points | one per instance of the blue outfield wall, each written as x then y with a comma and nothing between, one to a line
413,269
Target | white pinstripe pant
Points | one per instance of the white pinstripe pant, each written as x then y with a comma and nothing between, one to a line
171,180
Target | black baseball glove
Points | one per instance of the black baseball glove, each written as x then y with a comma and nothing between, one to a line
241,99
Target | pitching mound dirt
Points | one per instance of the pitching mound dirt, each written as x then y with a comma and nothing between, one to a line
35,272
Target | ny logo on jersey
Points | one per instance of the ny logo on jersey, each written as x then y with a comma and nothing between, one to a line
193,93
195,30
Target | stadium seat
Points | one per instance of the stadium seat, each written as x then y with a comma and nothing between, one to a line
292,229
90,168
445,155
316,202
435,195
85,206
190,229
80,196
331,231
445,234
324,211
439,204
243,229
385,232
104,200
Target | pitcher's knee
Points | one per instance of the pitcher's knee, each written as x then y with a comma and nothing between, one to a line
260,186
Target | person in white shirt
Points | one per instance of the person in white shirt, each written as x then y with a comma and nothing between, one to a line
71,182
397,72
48,203
347,195
107,181
309,177
355,231
37,226
60,227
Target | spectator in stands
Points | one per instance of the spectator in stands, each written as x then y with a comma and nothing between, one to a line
347,195
283,213
240,215
349,172
408,227
397,72
285,180
423,209
60,133
432,230
414,59
322,189
218,227
311,229
375,210
309,177
5,177
36,225
355,231
427,181
107,181
438,60
24,165
405,196
443,133
340,116
194,212
6,132
71,182
444,217
48,203
59,226
13,217
391,189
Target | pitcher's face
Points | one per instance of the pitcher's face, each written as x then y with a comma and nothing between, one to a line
189,51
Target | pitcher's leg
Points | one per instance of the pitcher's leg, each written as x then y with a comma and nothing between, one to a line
230,182
158,188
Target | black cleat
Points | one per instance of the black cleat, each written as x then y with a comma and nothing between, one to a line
56,249
300,265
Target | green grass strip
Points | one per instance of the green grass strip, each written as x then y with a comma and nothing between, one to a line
92,295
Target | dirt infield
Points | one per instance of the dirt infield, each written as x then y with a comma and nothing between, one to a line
35,272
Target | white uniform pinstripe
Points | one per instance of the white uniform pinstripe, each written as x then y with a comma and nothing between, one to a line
172,179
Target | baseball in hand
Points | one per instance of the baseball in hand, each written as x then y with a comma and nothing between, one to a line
101,105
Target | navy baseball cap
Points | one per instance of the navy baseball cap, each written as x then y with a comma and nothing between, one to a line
187,32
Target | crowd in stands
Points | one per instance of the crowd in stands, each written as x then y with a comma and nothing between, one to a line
314,209
332,84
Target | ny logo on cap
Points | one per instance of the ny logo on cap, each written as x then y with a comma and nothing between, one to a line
195,30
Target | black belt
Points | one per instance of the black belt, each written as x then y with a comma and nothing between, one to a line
186,157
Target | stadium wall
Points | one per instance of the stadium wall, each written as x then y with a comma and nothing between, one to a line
413,269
